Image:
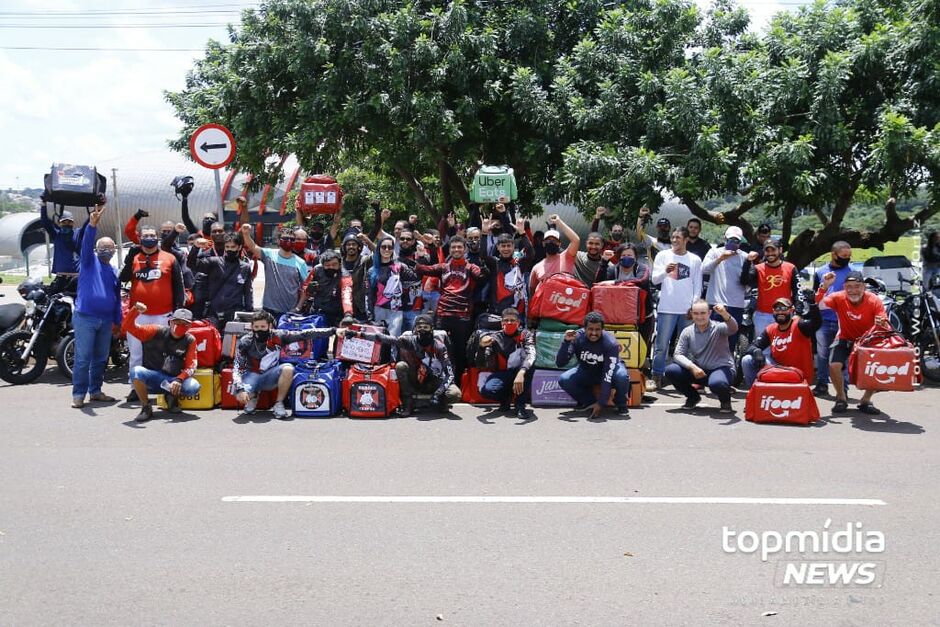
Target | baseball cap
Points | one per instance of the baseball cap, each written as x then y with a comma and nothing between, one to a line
663,222
67,217
772,242
854,275
552,233
735,232
784,300
183,315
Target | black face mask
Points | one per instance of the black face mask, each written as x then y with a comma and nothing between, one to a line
149,242
783,318
66,229
330,272
473,246
231,255
616,236
552,248
315,236
841,262
168,239
207,226
262,336
425,338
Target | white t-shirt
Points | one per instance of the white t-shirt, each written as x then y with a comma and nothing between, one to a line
677,289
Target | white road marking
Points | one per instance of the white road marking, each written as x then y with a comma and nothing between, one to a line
655,500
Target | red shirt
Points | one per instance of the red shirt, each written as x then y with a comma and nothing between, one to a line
773,283
792,348
854,320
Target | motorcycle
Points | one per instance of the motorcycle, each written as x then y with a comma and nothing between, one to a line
919,317
24,352
745,335
12,315
119,354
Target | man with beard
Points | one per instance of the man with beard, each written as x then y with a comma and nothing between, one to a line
616,231
229,281
284,271
598,355
459,279
476,245
774,278
513,349
321,291
555,260
353,287
204,247
411,288
424,367
841,256
696,244
790,340
858,310
587,263
662,241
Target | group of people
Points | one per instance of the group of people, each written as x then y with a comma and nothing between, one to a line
428,289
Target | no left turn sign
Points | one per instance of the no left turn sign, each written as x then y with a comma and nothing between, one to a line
212,146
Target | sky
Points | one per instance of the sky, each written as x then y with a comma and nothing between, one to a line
85,106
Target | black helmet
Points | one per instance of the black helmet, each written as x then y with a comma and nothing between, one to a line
29,285
182,185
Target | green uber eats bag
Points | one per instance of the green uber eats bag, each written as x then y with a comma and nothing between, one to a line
547,344
493,181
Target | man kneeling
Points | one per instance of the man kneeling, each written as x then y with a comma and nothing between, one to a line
703,356
599,363
514,349
169,360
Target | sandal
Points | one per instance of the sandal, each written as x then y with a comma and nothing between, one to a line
868,408
840,407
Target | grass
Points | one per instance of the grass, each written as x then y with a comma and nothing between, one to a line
15,279
906,246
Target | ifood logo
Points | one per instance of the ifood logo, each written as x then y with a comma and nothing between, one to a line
568,301
782,343
780,408
878,371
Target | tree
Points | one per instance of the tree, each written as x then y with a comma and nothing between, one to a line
833,102
416,89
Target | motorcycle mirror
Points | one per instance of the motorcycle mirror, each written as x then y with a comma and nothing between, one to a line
1,279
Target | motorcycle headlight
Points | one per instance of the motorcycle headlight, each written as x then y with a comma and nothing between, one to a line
30,307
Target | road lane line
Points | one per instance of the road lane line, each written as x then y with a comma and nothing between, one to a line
653,500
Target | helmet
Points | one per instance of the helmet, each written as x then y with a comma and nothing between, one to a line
31,284
182,185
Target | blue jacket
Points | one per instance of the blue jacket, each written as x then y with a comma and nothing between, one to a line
99,292
65,243
837,286
600,359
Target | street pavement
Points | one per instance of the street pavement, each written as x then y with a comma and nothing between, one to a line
104,521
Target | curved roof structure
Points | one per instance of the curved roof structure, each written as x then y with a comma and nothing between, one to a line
19,232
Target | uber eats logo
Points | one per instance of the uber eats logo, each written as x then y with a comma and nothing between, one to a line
841,556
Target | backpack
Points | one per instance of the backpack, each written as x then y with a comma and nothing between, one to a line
371,391
883,359
561,297
74,185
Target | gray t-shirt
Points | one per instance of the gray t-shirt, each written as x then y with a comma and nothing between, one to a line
706,349
585,268
724,283
283,278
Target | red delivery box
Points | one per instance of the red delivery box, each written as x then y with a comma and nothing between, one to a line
886,369
319,194
561,297
619,303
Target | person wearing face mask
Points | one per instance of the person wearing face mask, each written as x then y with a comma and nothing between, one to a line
256,367
726,286
555,260
425,365
387,279
476,245
169,359
858,311
354,268
598,355
156,281
204,248
662,241
841,255
790,340
774,278
97,313
321,290
459,279
513,349
229,281
702,356
507,270
408,254
65,253
632,271
284,271
617,234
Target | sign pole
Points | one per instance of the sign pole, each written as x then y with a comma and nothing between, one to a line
117,214
218,195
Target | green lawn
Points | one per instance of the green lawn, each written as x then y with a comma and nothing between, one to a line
906,246
16,279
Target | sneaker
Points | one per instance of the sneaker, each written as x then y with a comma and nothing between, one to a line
726,408
132,397
692,401
821,389
251,405
172,404
623,411
146,413
78,402
505,406
280,412
583,406
840,407
651,385
521,413
101,397
868,408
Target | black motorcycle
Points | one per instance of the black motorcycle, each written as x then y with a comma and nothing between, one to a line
746,335
119,353
12,315
24,351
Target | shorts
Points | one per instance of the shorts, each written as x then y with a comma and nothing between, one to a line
839,351
256,382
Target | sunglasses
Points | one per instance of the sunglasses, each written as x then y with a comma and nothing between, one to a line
287,239
384,247
781,308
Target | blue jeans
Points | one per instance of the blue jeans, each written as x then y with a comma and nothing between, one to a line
666,325
579,383
92,346
750,369
391,317
498,386
153,379
825,336
761,321
257,382
408,319
430,300
718,381
738,314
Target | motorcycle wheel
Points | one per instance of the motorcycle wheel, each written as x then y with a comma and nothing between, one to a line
120,353
929,357
12,368
739,352
65,355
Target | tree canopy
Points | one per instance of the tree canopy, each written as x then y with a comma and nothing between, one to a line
618,104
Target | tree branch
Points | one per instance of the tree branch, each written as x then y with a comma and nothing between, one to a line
732,218
417,189
457,185
444,178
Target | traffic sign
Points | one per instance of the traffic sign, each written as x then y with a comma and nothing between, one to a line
212,146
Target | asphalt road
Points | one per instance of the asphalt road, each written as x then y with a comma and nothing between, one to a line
107,522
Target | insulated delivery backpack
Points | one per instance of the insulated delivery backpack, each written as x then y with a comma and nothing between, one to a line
493,182
74,185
